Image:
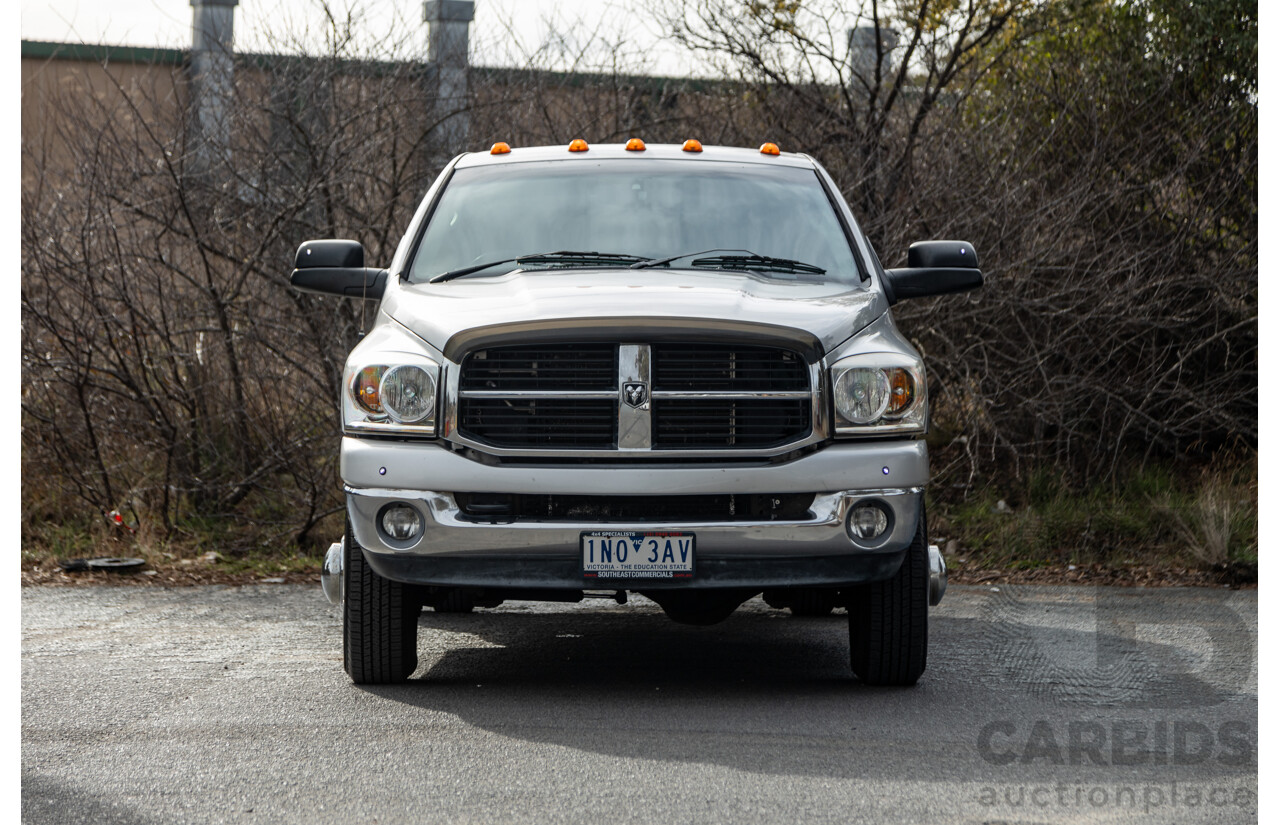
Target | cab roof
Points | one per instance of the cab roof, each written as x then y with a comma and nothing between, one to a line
666,151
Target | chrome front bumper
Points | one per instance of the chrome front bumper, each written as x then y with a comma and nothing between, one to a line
448,532
331,579
454,549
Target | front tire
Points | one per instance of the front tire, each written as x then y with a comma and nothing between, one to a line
379,623
889,620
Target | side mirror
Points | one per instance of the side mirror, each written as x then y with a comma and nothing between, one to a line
334,267
934,268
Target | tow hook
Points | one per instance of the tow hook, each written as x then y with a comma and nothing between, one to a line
331,573
619,596
937,575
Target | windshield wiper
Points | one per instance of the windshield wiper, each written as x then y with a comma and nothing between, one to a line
562,258
747,261
759,262
649,263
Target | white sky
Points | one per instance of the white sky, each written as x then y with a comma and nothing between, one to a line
503,32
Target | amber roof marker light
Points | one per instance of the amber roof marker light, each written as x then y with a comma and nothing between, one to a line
635,145
578,145
770,149
500,148
692,145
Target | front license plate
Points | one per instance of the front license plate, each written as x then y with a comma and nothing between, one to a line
623,554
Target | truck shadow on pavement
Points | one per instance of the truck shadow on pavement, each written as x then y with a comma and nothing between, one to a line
46,802
623,648
770,693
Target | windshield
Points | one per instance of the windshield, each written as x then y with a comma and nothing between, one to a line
643,208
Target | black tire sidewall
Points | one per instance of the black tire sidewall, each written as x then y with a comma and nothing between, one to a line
379,622
889,620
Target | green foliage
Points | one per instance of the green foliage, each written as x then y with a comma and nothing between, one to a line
263,529
59,540
1172,84
1151,515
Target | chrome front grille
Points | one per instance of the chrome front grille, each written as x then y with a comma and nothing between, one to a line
666,397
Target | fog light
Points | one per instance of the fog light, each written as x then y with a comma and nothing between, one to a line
868,522
401,522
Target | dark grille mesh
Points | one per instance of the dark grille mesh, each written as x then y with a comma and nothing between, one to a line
756,423
704,367
567,423
548,367
634,509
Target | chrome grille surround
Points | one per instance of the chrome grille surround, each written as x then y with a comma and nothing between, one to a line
728,420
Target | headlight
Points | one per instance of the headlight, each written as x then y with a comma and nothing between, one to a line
391,398
879,393
862,395
408,394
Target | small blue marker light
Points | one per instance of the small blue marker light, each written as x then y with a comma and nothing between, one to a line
382,471
884,470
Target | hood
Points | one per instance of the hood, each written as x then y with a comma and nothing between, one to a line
631,304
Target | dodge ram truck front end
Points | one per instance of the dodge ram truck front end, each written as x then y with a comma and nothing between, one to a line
603,371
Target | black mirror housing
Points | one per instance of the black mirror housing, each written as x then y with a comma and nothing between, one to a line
945,254
934,268
336,267
329,253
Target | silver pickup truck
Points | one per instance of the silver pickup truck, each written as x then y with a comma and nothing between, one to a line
666,370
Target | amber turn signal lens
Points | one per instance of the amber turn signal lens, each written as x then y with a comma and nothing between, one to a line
635,145
770,149
577,145
902,391
500,148
692,146
365,389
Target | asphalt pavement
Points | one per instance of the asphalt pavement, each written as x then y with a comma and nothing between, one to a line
1040,704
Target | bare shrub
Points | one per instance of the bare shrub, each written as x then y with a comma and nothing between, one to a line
169,368
170,373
